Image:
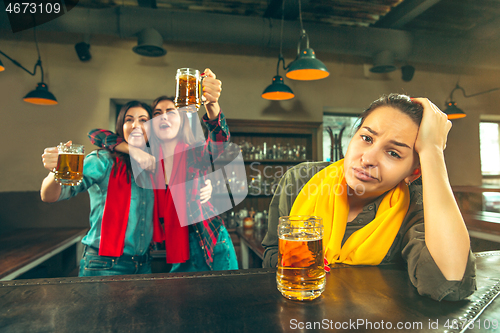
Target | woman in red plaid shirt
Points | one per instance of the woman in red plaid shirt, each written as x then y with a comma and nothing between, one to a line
195,237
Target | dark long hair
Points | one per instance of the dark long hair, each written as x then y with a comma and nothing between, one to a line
399,102
120,120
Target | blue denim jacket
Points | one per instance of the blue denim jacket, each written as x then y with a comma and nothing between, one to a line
96,171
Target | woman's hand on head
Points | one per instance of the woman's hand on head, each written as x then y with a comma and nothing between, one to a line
50,156
434,128
211,87
146,161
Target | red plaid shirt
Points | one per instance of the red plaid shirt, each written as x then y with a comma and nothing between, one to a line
207,231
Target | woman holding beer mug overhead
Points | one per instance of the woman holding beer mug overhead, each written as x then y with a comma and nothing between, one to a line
121,212
372,211
190,247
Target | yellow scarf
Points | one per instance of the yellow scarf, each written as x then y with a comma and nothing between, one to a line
325,195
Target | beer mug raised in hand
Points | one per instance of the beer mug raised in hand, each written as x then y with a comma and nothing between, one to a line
188,90
69,170
301,271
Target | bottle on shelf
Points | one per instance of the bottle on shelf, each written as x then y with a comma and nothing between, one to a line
231,220
251,186
258,220
297,152
255,185
264,218
248,222
235,184
303,153
258,153
251,213
252,153
279,152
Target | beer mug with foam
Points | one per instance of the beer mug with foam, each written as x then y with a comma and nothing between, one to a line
301,271
69,170
188,90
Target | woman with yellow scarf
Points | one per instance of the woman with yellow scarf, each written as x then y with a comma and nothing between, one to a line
372,213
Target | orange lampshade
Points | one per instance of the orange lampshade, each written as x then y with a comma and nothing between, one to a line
453,112
278,91
41,96
306,67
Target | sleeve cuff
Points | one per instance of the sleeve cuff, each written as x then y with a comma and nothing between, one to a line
113,145
270,258
214,122
432,283
65,193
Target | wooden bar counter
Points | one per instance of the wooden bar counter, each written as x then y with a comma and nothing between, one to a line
24,249
245,301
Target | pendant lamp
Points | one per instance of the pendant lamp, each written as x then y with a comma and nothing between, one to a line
278,90
41,95
2,68
306,66
452,111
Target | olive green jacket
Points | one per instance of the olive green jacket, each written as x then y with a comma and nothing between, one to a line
409,244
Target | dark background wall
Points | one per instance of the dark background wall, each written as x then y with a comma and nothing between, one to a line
27,210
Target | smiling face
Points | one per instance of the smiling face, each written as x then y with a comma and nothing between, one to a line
135,129
381,153
166,121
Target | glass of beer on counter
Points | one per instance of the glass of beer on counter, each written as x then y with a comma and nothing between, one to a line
188,90
69,170
301,271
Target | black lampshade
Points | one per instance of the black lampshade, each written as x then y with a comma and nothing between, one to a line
1,66
453,112
383,62
306,67
150,44
278,91
41,96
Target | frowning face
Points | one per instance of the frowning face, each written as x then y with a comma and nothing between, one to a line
381,154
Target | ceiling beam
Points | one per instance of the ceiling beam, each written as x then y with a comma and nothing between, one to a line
273,10
403,13
147,3
291,9
415,48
